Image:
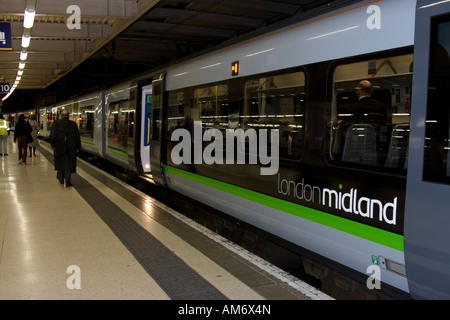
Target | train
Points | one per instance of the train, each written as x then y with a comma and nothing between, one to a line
262,129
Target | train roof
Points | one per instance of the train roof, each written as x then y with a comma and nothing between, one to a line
366,27
360,28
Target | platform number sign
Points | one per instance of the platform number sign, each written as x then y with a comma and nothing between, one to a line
235,68
4,87
5,36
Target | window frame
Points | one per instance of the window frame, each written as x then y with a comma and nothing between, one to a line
330,125
278,73
435,116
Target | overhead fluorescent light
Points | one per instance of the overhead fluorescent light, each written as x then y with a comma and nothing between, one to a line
21,64
23,54
7,96
26,38
28,19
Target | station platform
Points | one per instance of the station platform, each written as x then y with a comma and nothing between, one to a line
102,239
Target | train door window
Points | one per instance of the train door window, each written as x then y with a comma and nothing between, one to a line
370,115
177,117
156,119
175,111
278,102
437,136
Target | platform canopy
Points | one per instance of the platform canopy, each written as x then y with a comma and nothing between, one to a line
88,44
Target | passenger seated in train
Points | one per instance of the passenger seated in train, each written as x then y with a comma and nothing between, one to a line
366,105
361,129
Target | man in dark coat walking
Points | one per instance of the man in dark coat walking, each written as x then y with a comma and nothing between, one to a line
21,132
66,142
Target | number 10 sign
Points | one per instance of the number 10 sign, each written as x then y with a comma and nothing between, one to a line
4,87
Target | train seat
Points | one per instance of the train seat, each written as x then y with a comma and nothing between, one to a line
360,145
398,149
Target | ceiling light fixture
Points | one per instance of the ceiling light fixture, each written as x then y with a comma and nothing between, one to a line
23,54
28,19
26,38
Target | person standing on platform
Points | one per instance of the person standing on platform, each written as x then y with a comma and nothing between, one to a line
34,134
66,142
21,133
4,133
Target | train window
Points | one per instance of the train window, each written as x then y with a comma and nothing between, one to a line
370,115
278,101
119,121
86,123
211,106
437,137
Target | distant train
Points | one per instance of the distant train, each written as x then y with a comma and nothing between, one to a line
352,191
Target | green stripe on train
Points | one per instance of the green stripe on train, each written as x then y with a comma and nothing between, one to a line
87,142
358,229
118,152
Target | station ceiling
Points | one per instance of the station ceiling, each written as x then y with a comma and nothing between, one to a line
115,39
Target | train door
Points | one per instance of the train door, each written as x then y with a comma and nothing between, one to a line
158,152
427,218
146,116
100,125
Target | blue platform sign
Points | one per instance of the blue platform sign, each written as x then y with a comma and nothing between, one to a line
5,87
5,36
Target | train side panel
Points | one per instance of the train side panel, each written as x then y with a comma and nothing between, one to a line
284,77
120,113
365,28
